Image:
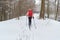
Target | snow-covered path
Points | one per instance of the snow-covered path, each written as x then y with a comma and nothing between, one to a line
18,29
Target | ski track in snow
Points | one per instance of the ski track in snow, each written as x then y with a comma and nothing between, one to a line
18,29
44,29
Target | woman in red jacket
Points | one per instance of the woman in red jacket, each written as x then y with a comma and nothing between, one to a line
30,15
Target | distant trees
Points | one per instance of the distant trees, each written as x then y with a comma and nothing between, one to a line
7,7
23,6
15,8
52,9
3,8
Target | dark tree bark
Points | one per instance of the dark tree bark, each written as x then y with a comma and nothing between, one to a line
42,9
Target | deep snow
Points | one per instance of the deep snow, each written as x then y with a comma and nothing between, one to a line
18,29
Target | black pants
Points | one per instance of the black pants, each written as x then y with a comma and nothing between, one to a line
29,20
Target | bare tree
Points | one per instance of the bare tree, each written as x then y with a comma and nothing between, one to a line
42,9
57,10
22,7
48,8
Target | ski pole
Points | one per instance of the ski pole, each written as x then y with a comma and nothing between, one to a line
26,20
34,22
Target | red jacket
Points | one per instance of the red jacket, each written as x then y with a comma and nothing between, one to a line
30,13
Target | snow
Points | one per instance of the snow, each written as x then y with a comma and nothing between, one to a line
14,29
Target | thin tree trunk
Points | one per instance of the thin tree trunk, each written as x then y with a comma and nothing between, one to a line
48,9
55,1
57,11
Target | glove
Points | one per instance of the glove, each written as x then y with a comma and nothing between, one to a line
33,17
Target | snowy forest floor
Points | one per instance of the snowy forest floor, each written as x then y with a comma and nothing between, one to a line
14,29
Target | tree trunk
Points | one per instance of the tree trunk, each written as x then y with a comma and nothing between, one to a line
57,10
48,9
42,9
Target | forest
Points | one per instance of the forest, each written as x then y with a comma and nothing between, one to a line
15,8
